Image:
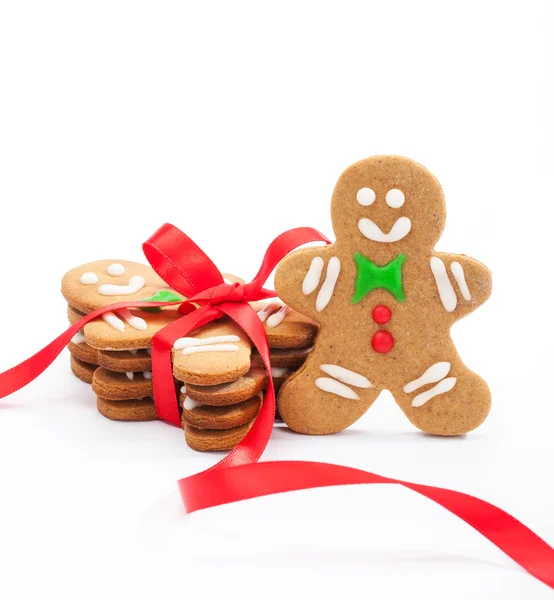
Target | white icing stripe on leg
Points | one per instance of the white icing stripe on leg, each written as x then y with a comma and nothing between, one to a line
130,376
78,338
328,287
335,387
459,276
347,376
446,291
189,403
114,321
433,374
313,276
189,342
441,388
134,321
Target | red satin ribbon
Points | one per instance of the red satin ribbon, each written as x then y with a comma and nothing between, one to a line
185,267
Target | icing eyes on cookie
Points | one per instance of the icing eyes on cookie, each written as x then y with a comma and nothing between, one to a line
395,198
365,196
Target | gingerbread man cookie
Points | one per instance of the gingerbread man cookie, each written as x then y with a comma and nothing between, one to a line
385,302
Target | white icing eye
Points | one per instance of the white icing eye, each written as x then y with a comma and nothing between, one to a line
116,270
365,196
394,198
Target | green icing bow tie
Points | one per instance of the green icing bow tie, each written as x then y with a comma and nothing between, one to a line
372,277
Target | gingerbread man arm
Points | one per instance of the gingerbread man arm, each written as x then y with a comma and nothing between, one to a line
300,274
463,283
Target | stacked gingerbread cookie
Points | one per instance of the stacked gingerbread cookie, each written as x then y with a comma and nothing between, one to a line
220,376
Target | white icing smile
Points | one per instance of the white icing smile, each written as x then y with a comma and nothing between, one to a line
372,231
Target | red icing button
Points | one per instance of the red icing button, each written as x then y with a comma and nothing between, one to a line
382,341
381,314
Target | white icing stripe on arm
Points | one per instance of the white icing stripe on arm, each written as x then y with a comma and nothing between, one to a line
441,388
347,376
210,348
189,342
130,376
313,276
135,284
135,322
328,287
114,321
267,310
433,374
277,318
446,291
147,374
459,276
335,387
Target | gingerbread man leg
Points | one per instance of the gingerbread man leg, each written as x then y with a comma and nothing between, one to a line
323,398
446,398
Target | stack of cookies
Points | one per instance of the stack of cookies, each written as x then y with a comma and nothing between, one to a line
220,376
223,376
221,392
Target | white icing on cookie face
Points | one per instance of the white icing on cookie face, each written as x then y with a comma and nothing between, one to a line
135,284
116,270
89,278
365,196
372,231
395,198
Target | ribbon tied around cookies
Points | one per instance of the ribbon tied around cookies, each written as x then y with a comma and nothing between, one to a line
239,475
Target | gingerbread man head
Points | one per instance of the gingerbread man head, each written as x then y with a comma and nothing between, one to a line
384,205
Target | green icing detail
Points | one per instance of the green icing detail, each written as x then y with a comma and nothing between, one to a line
372,277
161,296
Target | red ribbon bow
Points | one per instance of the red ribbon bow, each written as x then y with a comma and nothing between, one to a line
186,269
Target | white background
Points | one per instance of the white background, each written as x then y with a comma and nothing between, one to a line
233,120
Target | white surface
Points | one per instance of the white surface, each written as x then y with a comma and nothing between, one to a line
116,117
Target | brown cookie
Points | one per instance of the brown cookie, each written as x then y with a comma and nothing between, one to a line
218,352
74,315
385,301
84,371
127,329
128,410
82,351
285,327
125,361
214,440
121,386
225,394
220,417
105,282
286,357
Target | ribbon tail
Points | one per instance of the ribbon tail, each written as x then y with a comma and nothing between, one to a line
22,374
226,485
